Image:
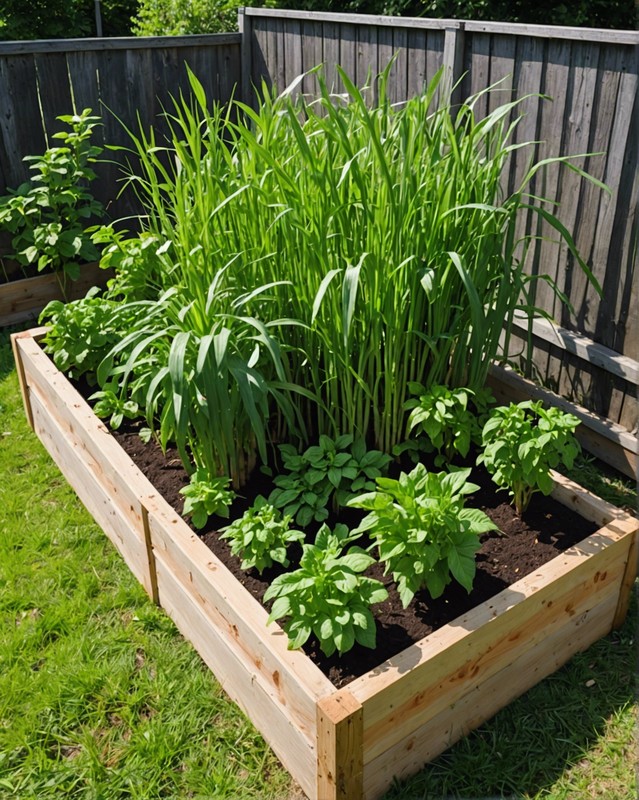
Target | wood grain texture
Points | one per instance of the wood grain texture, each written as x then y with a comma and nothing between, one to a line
24,299
339,747
295,751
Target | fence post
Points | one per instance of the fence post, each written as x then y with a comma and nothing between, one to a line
245,25
453,60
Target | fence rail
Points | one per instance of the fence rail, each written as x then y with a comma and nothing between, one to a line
591,75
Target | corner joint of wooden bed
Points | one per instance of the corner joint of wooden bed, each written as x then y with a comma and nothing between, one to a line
22,378
339,747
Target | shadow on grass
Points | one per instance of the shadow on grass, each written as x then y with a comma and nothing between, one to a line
7,363
528,747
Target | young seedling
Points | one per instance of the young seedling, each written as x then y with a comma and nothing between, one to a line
448,419
328,596
336,469
522,443
422,531
262,536
205,496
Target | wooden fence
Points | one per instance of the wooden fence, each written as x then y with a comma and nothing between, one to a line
118,78
592,354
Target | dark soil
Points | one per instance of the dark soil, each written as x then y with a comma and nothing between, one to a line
520,546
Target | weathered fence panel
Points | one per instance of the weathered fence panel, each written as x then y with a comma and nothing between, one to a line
591,76
120,79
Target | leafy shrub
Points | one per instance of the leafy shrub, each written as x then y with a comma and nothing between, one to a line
183,17
48,216
449,418
522,443
205,496
261,536
328,595
422,531
337,468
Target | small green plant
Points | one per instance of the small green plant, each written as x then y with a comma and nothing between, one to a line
448,419
48,216
110,404
422,531
205,496
328,595
522,443
261,536
80,333
338,468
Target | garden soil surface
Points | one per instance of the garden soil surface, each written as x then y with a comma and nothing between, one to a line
520,546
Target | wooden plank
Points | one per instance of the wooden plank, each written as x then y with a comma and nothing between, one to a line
452,60
510,28
502,68
24,299
366,65
587,504
355,19
54,91
348,47
331,55
65,447
630,576
122,480
293,56
385,52
289,676
259,58
405,692
480,65
245,26
20,119
116,43
24,387
339,747
399,85
417,77
310,40
241,683
555,32
582,346
484,700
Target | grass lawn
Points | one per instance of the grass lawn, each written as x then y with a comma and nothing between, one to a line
100,697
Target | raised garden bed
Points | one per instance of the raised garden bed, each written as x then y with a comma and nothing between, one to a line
351,742
24,299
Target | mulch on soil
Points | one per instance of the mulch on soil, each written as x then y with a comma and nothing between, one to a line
521,546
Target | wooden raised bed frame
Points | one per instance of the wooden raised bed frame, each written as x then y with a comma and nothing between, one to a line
346,743
25,298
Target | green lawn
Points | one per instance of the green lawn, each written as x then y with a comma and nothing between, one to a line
100,697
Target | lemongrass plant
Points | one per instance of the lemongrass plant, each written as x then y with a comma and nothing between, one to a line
384,226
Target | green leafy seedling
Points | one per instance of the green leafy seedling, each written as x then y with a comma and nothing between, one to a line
328,596
522,443
449,419
261,537
422,531
334,468
206,496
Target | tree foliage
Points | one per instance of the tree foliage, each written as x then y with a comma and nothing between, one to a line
581,13
63,19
